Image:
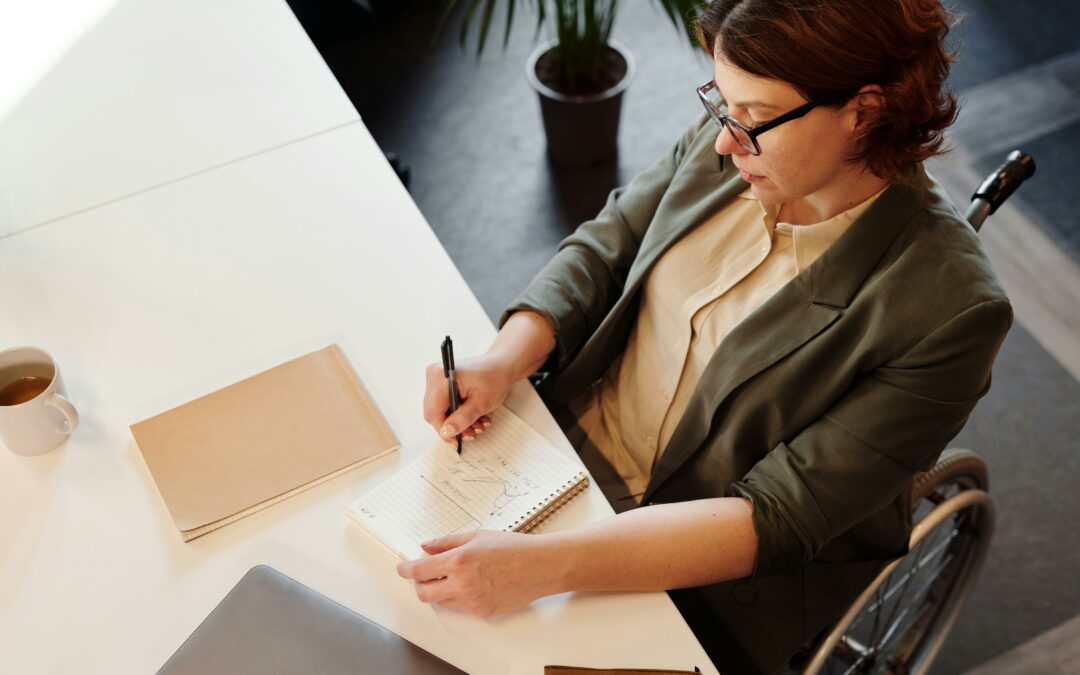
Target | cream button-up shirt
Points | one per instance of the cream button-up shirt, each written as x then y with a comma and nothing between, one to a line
703,287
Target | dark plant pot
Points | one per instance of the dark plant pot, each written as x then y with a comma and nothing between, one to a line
581,129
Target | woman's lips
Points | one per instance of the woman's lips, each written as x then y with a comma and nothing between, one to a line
749,177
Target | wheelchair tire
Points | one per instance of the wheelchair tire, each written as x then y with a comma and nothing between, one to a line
919,595
955,465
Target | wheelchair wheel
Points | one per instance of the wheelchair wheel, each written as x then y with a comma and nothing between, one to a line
901,620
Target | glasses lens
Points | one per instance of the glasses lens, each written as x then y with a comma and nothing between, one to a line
741,137
716,116
718,110
711,102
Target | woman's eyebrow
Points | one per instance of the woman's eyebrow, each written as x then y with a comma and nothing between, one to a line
757,105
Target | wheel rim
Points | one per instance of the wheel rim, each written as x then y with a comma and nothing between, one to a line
900,621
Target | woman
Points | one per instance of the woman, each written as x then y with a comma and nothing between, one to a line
756,344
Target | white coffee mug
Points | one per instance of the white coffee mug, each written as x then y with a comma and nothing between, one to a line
35,413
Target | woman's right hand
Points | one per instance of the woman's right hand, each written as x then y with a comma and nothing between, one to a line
483,384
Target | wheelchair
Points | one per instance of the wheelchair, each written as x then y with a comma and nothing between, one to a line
900,622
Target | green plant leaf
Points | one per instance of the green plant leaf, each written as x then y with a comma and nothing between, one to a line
509,21
669,9
682,14
485,24
448,9
541,16
463,37
582,28
609,20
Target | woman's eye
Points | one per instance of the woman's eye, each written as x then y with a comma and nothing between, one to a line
750,122
744,117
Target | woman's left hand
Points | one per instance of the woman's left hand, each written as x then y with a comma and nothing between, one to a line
481,572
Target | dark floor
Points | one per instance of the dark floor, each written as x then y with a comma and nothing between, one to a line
1025,429
1053,196
997,37
470,131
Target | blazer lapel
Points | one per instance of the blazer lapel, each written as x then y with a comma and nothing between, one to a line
697,193
783,324
800,310
701,192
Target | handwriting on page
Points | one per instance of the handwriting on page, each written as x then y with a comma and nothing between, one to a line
499,480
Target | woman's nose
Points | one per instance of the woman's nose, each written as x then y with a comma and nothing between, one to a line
727,145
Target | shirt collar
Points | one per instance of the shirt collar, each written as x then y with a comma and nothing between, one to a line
810,241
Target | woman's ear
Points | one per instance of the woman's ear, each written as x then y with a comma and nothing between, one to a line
870,97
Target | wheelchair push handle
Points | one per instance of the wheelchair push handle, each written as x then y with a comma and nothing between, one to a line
1017,167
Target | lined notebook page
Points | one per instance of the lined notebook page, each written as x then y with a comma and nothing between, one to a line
501,479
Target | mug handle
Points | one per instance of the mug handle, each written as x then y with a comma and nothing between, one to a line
71,416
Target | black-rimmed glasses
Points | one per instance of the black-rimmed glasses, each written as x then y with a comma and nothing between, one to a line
747,137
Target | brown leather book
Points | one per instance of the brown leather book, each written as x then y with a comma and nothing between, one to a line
252,444
579,670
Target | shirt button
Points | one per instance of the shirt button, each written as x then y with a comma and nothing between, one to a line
764,248
744,593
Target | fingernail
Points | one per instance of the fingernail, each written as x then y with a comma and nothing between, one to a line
447,431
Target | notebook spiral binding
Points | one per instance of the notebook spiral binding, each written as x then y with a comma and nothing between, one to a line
571,489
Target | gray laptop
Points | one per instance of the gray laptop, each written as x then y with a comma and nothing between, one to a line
269,623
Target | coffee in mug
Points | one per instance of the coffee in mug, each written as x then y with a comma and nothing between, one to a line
23,389
35,413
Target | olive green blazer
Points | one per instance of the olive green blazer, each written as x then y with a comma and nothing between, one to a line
819,407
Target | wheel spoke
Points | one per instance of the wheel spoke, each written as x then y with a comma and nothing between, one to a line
897,614
858,662
918,563
917,602
853,646
880,598
943,539
879,601
908,605
902,585
918,614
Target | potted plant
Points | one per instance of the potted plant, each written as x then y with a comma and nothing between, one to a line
580,75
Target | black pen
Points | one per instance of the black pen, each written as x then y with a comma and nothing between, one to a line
448,372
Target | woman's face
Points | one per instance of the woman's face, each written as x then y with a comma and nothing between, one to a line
800,159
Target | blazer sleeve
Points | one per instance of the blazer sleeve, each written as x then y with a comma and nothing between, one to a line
581,283
857,458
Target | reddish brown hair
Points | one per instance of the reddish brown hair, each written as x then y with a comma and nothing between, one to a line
824,47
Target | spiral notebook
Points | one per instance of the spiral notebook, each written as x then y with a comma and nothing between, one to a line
510,478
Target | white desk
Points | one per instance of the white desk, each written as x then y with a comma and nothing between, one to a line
158,298
100,99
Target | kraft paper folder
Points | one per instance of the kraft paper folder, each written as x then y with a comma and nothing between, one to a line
252,444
